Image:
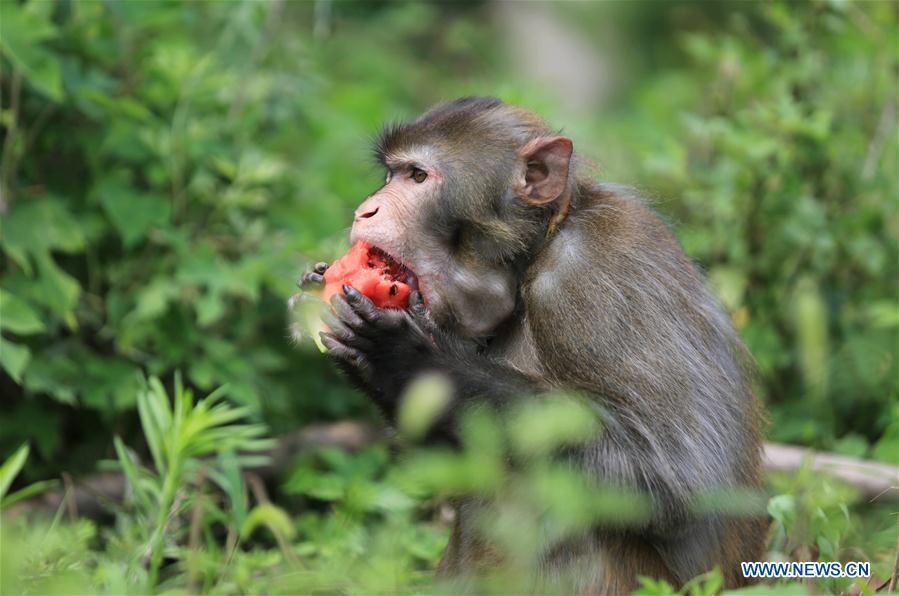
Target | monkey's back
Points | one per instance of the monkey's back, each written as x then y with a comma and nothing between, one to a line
617,310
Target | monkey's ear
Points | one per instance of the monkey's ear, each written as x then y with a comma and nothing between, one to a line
544,169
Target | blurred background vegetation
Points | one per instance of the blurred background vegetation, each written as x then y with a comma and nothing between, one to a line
169,168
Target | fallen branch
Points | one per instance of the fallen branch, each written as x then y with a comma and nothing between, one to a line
96,494
873,479
93,495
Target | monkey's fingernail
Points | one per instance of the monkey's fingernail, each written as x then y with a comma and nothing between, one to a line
352,293
320,267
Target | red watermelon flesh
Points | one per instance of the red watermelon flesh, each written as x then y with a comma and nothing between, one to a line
374,273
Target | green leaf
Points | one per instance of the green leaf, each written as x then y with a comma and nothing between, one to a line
323,486
730,285
112,383
782,508
17,316
57,290
11,468
652,587
153,299
422,403
887,447
305,312
210,308
21,32
227,475
132,473
29,491
272,517
132,213
539,426
54,373
38,226
156,419
53,287
14,358
852,444
811,322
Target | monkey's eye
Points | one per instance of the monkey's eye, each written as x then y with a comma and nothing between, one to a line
419,175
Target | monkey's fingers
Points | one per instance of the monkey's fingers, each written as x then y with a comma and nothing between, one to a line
347,314
416,301
378,318
309,279
345,355
314,277
419,312
345,335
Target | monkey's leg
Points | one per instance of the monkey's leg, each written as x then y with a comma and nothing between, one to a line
620,559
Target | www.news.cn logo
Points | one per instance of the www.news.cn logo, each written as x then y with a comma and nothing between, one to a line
804,570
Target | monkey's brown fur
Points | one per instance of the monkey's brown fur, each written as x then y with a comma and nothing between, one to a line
602,301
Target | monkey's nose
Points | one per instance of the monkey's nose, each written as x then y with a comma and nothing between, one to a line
367,214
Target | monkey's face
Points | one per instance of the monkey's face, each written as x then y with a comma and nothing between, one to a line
469,191
423,218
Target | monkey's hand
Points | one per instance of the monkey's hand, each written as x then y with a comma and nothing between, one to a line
380,349
313,278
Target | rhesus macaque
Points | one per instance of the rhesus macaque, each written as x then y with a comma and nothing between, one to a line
532,277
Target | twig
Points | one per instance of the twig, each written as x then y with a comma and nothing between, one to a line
8,160
37,126
256,485
196,524
873,479
895,574
71,504
885,125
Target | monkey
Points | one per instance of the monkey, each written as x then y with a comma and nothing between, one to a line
532,276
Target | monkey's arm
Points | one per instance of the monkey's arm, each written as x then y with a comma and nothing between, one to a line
383,350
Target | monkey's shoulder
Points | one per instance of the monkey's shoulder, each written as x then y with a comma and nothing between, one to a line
612,234
613,216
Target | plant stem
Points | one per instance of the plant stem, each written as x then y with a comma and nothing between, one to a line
9,158
169,487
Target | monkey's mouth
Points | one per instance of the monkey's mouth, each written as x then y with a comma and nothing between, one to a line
392,268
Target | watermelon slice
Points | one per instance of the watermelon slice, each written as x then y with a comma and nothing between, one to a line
374,273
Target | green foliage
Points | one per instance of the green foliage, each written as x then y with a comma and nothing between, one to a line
426,398
189,442
157,211
782,183
8,472
371,525
178,435
814,521
707,584
26,29
168,168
